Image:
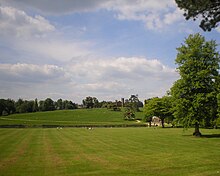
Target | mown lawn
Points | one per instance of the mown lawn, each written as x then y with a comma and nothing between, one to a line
109,151
68,117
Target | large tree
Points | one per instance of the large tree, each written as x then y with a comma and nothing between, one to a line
195,93
208,10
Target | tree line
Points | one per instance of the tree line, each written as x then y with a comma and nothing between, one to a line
9,106
93,102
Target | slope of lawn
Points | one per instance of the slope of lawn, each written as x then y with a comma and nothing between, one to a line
108,151
68,117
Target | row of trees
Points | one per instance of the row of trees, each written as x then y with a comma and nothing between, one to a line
8,106
194,99
93,102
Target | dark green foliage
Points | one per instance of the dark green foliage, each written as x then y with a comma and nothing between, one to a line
35,108
134,103
49,105
59,104
160,107
7,107
195,93
25,106
69,105
91,102
209,10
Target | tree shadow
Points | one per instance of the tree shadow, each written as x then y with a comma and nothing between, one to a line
211,136
204,136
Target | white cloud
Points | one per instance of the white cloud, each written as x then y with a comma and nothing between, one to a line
38,37
120,68
80,75
173,17
57,6
30,73
122,76
110,78
155,14
18,23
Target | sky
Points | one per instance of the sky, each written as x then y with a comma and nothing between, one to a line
107,49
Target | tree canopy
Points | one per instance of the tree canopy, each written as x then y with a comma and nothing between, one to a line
160,107
195,93
209,10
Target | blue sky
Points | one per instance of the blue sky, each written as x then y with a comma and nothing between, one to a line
103,48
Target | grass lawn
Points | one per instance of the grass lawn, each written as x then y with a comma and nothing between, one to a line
109,151
68,117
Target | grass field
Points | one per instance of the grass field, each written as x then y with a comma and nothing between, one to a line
109,151
68,117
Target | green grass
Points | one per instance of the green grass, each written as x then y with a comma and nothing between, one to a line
108,151
68,117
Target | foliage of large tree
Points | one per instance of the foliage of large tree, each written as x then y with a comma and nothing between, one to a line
195,93
209,10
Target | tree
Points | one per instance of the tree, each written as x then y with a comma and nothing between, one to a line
148,113
59,104
49,105
218,115
7,107
2,106
195,93
209,10
134,103
69,105
35,108
129,113
91,102
160,107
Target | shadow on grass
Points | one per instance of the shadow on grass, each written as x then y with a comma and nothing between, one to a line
211,136
203,135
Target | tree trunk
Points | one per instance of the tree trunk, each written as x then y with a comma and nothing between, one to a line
162,123
197,132
150,123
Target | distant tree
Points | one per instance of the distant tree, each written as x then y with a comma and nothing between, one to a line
35,108
46,105
129,113
7,106
209,10
59,104
91,102
49,105
41,105
69,105
133,102
95,102
18,105
160,107
195,93
2,106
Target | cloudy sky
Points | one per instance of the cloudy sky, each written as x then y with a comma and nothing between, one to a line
103,48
